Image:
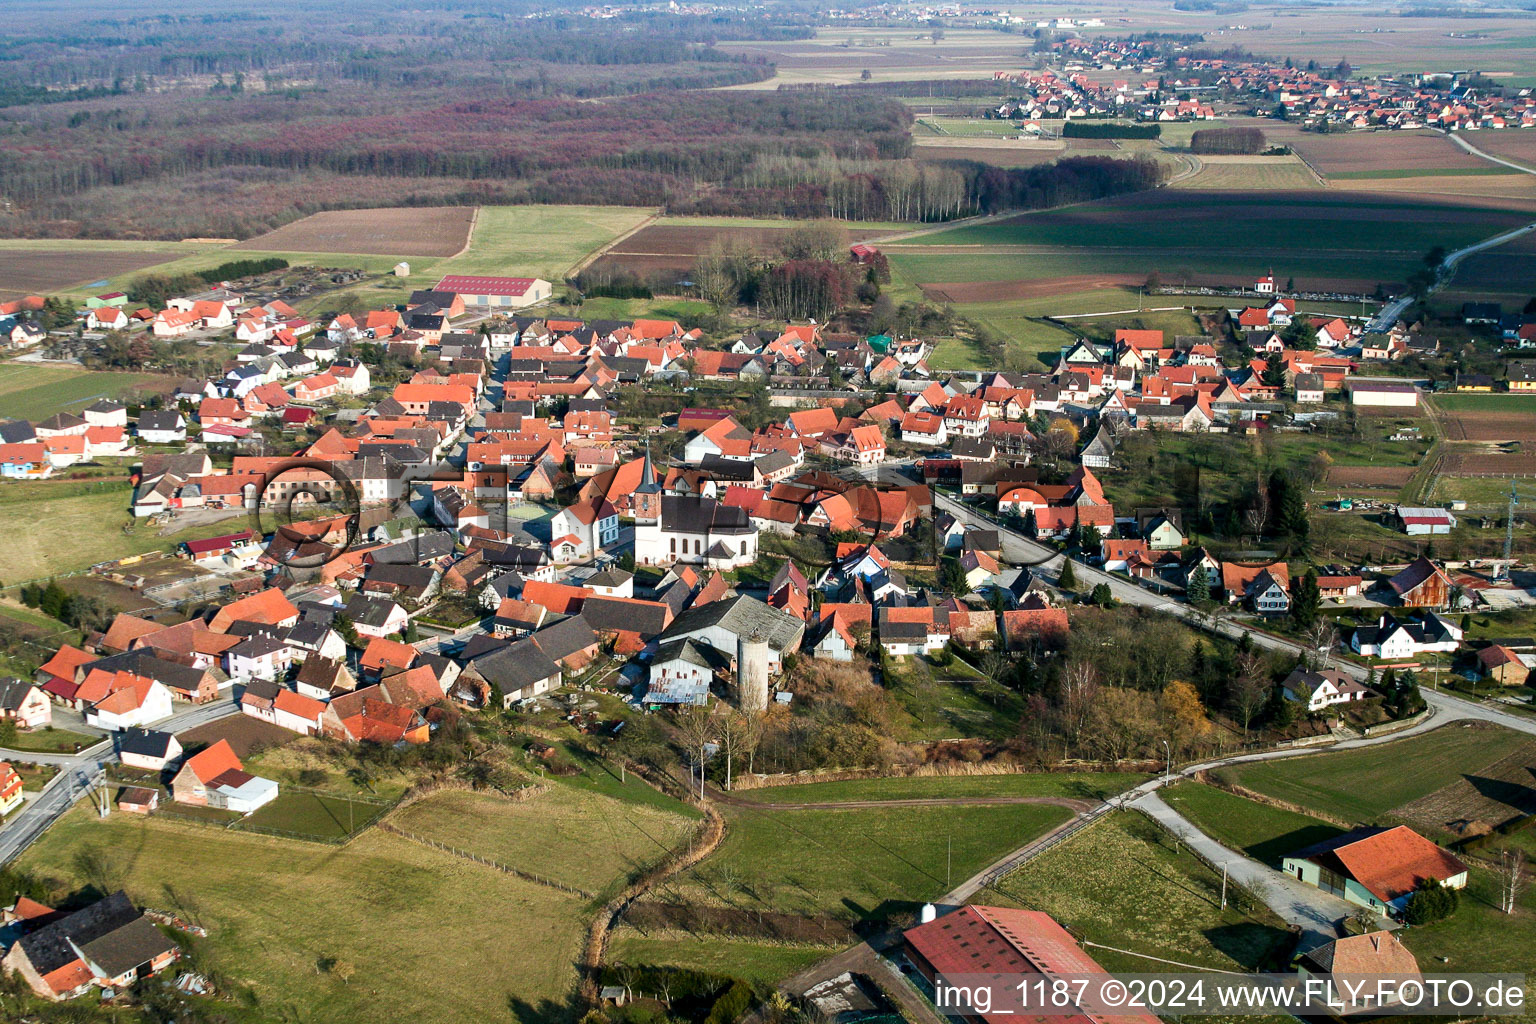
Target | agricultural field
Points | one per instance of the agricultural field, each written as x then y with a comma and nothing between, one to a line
66,268
1121,883
1442,795
1266,173
1074,785
1506,274
1367,154
30,391
275,909
585,839
1487,417
858,863
1369,480
36,515
674,244
416,231
986,151
247,736
1517,146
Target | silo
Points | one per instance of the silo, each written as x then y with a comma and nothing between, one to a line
752,672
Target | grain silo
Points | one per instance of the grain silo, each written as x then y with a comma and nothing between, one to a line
752,672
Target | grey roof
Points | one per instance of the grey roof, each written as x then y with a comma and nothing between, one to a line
369,611
321,673
266,689
569,636
620,614
144,742
105,405
164,420
13,691
141,661
610,577
686,513
516,666
122,949
16,431
702,655
743,616
49,948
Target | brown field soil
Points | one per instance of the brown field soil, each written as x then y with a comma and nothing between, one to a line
1508,270
418,231
1377,151
997,156
1488,425
1371,477
245,734
1519,146
1512,186
1504,790
30,272
1488,464
675,246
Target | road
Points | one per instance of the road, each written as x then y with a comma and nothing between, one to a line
78,772
1393,311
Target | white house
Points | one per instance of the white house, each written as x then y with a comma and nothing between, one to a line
581,530
137,703
696,531
162,427
258,657
1393,640
1324,688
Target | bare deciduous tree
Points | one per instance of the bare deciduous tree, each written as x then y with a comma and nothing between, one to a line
697,727
1079,690
1250,688
1513,873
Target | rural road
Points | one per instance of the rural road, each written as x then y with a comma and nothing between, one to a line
78,772
1392,311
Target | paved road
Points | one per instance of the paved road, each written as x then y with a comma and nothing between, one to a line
77,772
1390,313
1293,901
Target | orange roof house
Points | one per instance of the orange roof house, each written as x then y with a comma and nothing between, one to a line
268,607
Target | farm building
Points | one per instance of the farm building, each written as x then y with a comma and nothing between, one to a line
1501,665
1422,584
108,944
1383,394
1418,522
497,292
215,778
1375,867
999,941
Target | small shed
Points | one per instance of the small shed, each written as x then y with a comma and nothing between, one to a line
138,800
402,269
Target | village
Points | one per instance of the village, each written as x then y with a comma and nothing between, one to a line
487,527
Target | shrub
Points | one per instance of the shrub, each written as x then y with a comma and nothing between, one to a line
1430,902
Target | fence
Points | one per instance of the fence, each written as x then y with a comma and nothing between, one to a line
527,876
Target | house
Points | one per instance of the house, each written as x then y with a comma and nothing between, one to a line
11,796
109,945
1349,967
1375,867
1420,522
518,671
1324,688
162,427
260,656
1025,625
1422,584
1501,665
120,699
496,292
581,530
24,703
214,777
1265,588
1393,640
980,942
681,672
147,749
267,607
722,624
1308,388
695,530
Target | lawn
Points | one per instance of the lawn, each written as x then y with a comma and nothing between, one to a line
323,816
1366,784
583,839
1265,833
945,702
1479,937
764,963
857,863
1077,785
53,741
385,906
1121,883
604,308
84,522
1523,404
31,392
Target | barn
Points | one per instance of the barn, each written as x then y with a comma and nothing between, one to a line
1422,585
1418,522
496,292
1389,394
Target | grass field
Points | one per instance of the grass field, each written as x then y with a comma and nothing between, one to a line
1280,173
383,905
1121,883
321,815
1365,785
1477,937
857,863
32,392
49,527
1505,403
52,741
583,839
1079,785
1265,833
759,962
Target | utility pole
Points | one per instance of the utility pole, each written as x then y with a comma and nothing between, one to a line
1223,885
949,859
1168,772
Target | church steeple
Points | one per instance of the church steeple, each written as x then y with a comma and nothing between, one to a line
648,484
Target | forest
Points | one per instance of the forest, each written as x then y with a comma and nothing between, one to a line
217,123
